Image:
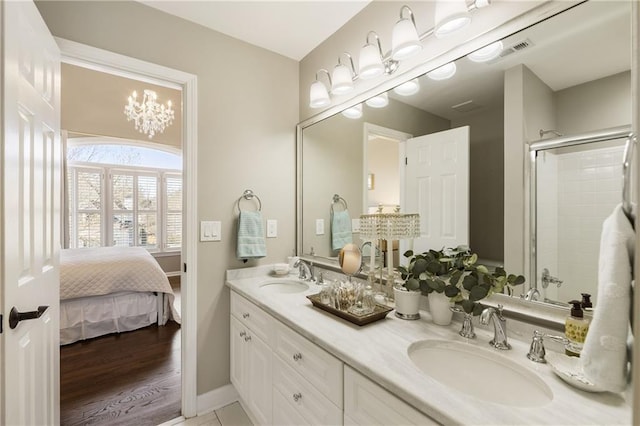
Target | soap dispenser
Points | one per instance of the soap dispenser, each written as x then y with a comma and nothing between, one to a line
575,328
586,302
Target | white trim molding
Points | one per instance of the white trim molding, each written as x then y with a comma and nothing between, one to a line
217,398
105,61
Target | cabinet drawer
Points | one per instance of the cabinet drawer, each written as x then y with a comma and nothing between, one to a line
303,397
321,369
252,316
367,403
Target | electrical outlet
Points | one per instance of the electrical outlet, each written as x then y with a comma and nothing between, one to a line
319,226
355,225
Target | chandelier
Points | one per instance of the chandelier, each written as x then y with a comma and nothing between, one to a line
148,116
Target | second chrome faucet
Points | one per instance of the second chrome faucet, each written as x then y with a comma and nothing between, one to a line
499,340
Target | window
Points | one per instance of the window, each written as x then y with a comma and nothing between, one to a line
114,203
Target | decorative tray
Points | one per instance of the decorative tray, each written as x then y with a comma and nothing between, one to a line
379,311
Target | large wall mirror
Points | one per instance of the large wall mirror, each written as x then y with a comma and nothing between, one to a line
570,74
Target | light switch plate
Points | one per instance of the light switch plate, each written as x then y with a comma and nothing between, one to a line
210,230
272,228
355,225
319,226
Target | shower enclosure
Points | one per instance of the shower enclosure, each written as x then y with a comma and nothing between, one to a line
575,183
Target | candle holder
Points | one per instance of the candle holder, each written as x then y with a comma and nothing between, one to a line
389,227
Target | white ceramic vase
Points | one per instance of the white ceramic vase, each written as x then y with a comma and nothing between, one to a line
440,308
407,303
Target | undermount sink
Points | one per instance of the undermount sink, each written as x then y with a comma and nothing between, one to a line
482,373
283,285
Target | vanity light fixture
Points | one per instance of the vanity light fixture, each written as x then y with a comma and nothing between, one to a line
370,63
405,41
450,16
444,72
353,112
408,88
342,80
318,94
487,53
378,101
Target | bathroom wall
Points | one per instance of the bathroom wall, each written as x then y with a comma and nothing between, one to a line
486,182
595,105
247,112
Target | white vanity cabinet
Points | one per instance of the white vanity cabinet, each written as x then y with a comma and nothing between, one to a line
251,357
367,403
307,378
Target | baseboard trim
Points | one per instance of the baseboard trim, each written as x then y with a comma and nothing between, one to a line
216,398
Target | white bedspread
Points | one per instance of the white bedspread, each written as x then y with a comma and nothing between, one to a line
105,270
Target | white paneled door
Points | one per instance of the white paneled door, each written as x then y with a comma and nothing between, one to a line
436,186
30,219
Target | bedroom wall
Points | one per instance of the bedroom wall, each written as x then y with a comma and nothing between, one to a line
247,112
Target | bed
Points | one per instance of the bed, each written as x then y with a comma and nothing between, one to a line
107,290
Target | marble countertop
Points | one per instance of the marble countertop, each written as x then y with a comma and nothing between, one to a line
379,351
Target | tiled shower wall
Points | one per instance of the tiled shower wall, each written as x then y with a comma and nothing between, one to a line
589,186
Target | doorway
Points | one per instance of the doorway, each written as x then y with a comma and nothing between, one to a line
85,56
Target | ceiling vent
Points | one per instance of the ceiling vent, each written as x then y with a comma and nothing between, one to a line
513,48
466,106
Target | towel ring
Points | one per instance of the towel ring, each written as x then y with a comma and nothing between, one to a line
338,199
249,195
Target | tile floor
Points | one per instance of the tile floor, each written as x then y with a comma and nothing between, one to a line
230,415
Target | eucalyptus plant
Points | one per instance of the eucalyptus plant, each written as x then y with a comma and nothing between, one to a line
454,271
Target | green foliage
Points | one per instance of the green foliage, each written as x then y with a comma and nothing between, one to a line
454,271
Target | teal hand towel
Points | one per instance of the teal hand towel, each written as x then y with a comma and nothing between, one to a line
251,243
340,229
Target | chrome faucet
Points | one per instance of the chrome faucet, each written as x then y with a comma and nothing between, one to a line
532,294
499,340
537,351
305,270
547,279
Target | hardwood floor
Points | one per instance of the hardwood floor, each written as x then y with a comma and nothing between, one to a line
129,378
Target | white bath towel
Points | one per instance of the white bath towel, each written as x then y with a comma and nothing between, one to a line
251,243
604,356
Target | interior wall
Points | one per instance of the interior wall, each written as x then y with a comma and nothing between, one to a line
595,105
486,182
246,138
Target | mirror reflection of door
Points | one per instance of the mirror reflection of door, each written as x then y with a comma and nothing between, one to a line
433,181
436,186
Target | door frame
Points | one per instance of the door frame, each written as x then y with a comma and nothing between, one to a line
102,60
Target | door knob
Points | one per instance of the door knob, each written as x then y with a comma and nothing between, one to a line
15,317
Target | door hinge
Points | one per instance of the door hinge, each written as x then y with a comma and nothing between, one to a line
1,318
184,268
406,161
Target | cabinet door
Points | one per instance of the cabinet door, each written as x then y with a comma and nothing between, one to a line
367,403
238,362
259,379
284,413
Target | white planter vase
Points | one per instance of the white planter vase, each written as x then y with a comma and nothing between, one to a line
440,308
407,303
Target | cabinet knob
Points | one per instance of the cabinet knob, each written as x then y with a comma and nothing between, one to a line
297,396
245,315
243,333
247,338
297,356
